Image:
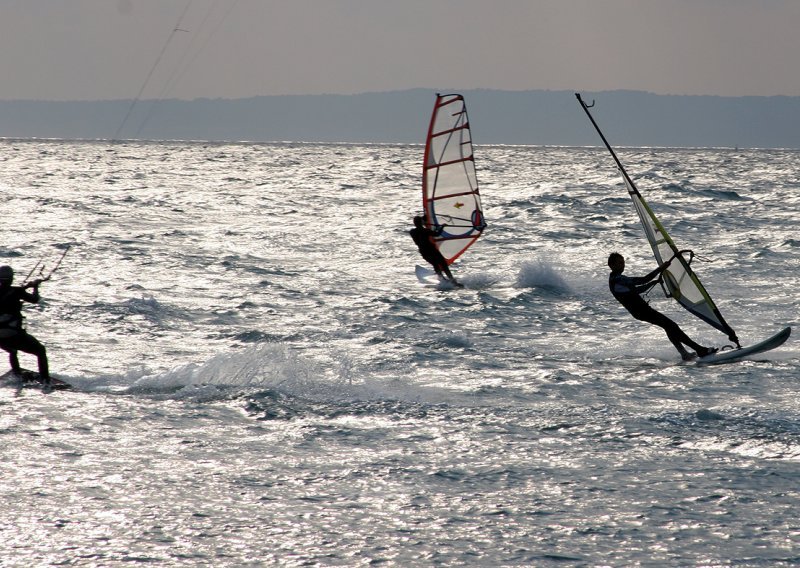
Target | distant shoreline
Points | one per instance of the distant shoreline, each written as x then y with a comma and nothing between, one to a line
540,118
167,141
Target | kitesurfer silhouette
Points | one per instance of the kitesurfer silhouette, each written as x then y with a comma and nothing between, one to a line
13,337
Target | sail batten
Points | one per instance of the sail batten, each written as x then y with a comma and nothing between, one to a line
451,162
450,196
454,129
679,280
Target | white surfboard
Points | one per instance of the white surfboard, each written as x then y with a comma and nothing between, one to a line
428,277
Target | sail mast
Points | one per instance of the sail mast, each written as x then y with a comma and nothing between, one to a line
679,280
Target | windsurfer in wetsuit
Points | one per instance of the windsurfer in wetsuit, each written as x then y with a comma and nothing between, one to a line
13,337
423,237
627,290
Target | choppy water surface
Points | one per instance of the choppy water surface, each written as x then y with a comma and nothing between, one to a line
261,379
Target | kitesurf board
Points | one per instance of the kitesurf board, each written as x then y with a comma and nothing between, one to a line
732,355
28,378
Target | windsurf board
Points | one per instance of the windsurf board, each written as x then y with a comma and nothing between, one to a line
733,355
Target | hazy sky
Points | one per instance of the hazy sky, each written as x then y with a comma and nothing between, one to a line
113,49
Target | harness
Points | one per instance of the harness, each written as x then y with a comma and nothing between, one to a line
632,299
10,323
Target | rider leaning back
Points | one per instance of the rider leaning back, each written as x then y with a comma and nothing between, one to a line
13,338
627,290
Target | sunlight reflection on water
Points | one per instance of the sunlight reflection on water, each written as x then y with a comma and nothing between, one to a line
260,378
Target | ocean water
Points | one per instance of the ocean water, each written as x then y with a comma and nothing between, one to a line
260,379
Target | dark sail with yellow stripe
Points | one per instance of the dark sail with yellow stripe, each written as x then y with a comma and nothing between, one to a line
679,280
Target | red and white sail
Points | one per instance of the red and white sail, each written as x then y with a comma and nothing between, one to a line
450,195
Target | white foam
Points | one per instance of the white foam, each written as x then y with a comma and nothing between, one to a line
540,273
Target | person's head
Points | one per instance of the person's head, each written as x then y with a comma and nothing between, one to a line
419,221
616,262
6,275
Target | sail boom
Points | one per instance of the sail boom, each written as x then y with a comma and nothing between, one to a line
456,237
458,226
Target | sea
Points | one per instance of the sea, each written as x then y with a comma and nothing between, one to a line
260,379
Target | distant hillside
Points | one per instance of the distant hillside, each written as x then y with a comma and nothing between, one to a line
629,118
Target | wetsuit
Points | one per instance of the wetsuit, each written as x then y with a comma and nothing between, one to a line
422,237
12,337
626,290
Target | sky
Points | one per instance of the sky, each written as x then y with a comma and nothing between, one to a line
187,49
